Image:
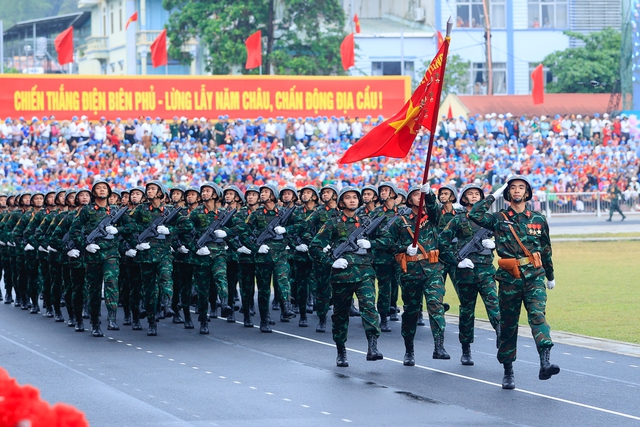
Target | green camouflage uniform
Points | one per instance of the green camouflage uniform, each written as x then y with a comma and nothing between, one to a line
104,265
358,277
14,228
422,277
49,271
302,267
385,266
55,233
449,267
614,196
29,260
246,269
7,260
533,230
469,282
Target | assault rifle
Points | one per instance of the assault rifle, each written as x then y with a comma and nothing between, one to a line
269,232
67,243
351,245
152,230
474,245
401,211
99,232
209,235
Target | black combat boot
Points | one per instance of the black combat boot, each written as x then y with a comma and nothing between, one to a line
168,309
35,308
127,319
231,318
247,319
353,311
58,317
466,359
135,325
204,327
275,305
188,323
508,380
264,325
177,319
322,324
302,323
287,312
112,325
341,360
79,326
393,314
420,321
71,322
547,369
85,312
384,324
152,330
142,310
49,312
309,307
409,357
96,332
372,352
438,351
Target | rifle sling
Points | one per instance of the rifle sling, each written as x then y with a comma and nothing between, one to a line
526,251
424,252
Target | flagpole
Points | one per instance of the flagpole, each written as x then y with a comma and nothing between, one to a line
432,132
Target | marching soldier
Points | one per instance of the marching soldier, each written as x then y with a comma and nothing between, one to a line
322,269
351,273
6,210
370,200
30,249
475,273
233,199
102,259
177,195
421,271
614,197
17,226
447,196
523,244
132,298
288,199
246,258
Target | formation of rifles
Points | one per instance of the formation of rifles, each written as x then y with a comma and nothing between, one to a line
156,252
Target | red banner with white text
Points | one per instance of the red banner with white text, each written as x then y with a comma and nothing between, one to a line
244,97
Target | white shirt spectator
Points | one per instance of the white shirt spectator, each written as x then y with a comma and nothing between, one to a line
99,132
73,130
356,130
45,130
270,129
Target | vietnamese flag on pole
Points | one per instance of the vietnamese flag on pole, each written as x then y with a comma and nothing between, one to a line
254,50
64,46
159,50
357,22
537,75
440,38
133,18
394,137
348,52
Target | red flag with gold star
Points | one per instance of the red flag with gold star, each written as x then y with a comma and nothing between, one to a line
394,137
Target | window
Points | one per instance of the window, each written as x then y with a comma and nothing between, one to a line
120,18
498,14
112,22
470,14
548,76
548,14
391,68
478,78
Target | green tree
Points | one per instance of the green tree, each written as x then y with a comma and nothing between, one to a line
456,76
12,11
574,68
302,36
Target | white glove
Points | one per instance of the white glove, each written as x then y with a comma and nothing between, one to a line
302,248
13,245
465,263
412,250
111,229
500,190
280,230
363,244
92,248
203,251
340,263
41,249
288,247
50,249
161,229
183,250
244,250
73,253
425,188
551,284
143,246
28,247
2,243
172,250
489,244
220,234
326,249
263,249
131,253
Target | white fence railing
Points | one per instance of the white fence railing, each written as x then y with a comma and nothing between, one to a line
578,203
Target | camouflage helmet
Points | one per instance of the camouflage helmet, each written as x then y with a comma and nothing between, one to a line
330,187
253,188
412,189
179,187
274,190
506,194
59,191
117,193
403,193
81,190
237,191
101,181
391,185
138,188
290,188
68,193
125,191
350,189
312,188
372,188
156,183
21,198
36,193
54,192
216,188
469,187
451,188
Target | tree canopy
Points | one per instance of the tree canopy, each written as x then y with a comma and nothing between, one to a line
598,60
13,11
301,36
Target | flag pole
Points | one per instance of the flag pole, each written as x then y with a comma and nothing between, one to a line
432,132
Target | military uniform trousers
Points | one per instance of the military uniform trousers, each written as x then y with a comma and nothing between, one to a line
210,279
470,283
8,275
67,289
323,288
512,294
57,286
77,280
247,273
150,273
413,290
304,279
386,275
32,267
107,271
136,295
279,271
182,279
364,288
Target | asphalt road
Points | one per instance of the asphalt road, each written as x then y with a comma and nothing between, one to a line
238,376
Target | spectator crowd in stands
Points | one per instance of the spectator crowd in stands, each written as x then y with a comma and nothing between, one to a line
559,154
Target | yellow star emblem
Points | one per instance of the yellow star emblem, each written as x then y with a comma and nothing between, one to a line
412,112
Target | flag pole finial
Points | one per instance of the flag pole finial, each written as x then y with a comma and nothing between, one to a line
449,26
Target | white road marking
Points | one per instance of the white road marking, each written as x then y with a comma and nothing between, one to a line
268,393
326,413
286,400
305,406
609,361
587,357
634,366
346,420
253,388
567,354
